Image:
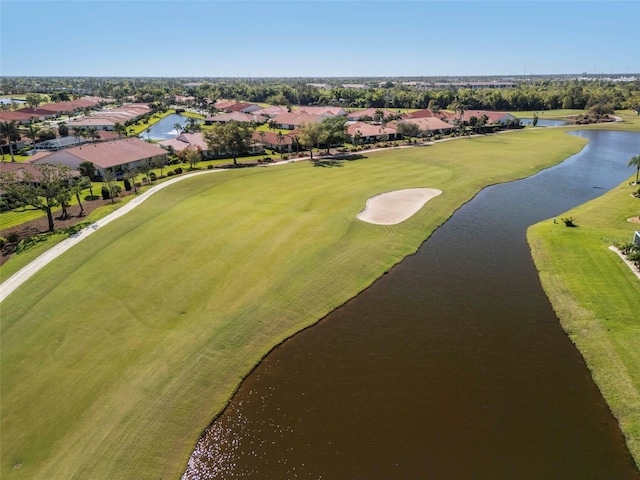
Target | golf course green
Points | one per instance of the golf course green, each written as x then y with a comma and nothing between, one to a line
117,355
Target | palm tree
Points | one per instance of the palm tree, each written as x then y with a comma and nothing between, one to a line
92,133
193,124
79,133
178,128
120,129
262,136
280,139
9,131
32,133
635,162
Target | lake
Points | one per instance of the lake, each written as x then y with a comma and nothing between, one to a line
451,366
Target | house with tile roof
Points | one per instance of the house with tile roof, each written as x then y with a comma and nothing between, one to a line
369,113
115,156
372,133
493,118
285,143
323,111
430,124
187,140
292,120
236,117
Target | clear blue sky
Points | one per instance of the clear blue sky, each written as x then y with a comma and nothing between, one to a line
317,38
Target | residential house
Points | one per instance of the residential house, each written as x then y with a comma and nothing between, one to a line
370,113
286,143
430,124
187,140
292,120
116,156
271,112
323,111
236,117
493,118
372,133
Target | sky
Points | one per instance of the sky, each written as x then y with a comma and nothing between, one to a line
317,38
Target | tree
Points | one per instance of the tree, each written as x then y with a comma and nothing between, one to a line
193,125
160,162
9,131
233,138
272,124
311,135
34,99
92,133
120,129
280,140
42,191
409,130
32,133
79,133
262,136
193,156
109,180
87,169
635,162
144,168
63,130
178,128
335,131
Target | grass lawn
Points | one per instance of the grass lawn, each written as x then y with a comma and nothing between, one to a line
117,355
597,297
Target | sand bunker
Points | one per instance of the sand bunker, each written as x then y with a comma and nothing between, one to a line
394,207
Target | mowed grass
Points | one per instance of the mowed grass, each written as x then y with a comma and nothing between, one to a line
597,297
117,355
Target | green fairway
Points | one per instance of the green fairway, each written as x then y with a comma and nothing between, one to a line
597,297
118,354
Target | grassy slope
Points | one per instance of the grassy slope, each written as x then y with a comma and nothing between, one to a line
597,297
118,354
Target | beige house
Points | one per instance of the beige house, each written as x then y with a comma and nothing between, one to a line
116,156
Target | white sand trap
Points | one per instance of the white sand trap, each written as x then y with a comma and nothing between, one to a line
391,208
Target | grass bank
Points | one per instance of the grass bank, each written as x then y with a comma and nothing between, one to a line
597,297
119,353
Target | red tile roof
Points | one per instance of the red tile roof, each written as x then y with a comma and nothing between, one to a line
271,138
239,106
370,130
429,123
109,154
25,171
369,112
296,118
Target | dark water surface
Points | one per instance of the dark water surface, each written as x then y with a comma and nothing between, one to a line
452,366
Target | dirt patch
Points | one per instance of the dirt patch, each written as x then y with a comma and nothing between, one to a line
634,219
41,225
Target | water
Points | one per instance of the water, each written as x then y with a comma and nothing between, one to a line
543,122
452,366
8,101
164,129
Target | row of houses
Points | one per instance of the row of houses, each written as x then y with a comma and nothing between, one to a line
107,119
49,111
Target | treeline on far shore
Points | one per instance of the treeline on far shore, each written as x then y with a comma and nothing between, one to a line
605,95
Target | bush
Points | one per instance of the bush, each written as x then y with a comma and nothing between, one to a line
285,157
209,167
3,242
127,185
153,176
105,193
178,171
12,237
170,173
116,190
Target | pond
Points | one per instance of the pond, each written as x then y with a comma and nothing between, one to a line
451,366
165,128
542,122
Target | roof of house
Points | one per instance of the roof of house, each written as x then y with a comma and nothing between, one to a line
271,138
25,171
69,106
370,130
369,112
271,111
296,118
236,116
91,121
429,123
322,110
222,104
186,140
239,106
425,112
108,154
9,116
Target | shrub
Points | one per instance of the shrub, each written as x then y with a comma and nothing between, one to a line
127,185
170,173
153,176
3,242
209,167
12,237
116,190
285,157
105,193
178,171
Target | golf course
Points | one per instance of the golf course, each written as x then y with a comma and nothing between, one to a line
119,353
